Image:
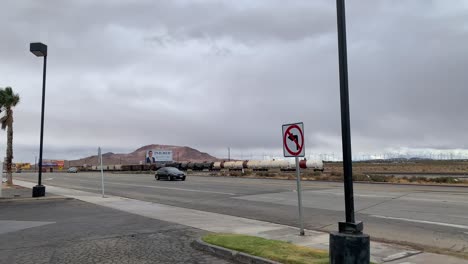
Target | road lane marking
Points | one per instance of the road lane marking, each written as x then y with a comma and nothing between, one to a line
435,200
156,187
421,221
338,193
170,188
9,226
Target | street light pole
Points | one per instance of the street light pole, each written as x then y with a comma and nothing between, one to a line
349,245
345,119
40,50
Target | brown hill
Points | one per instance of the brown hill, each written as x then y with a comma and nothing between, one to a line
178,154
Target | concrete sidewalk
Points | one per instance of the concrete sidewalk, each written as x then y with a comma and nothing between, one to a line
14,192
213,222
58,231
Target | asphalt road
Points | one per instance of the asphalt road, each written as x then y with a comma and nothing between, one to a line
427,216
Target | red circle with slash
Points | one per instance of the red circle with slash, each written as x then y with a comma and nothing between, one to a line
299,146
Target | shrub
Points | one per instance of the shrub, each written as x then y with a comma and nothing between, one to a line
417,179
381,178
361,177
264,174
235,173
445,180
336,173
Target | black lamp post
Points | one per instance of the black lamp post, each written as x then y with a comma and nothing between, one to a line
349,245
40,50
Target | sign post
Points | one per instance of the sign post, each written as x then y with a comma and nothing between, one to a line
293,146
102,171
1,178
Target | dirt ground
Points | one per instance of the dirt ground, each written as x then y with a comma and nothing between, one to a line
373,172
433,166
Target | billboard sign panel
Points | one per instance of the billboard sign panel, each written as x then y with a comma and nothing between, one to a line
157,155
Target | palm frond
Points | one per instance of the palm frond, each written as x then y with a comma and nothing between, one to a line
4,121
8,98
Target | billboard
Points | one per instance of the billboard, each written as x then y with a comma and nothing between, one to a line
59,164
22,166
157,155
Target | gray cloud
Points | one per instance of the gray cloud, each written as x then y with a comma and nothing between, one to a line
212,74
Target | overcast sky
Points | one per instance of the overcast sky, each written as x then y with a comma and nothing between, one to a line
212,74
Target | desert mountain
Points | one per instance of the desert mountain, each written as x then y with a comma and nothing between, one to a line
178,153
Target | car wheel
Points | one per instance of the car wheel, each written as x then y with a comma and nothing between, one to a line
183,179
157,178
171,178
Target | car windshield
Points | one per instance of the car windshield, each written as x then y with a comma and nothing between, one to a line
170,169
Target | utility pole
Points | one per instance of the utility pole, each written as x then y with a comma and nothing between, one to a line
229,154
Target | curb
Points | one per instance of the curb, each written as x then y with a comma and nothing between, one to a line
45,199
233,255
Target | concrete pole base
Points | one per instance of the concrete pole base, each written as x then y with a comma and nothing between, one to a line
38,191
349,248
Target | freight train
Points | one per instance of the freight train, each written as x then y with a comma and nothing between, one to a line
254,165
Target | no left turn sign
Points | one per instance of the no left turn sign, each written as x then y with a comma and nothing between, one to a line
293,140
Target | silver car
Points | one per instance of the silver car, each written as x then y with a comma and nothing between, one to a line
72,170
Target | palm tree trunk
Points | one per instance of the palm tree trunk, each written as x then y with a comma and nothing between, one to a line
9,152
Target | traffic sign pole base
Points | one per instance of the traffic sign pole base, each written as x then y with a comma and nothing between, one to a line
349,248
38,191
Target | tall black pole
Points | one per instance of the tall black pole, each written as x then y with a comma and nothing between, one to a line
42,120
345,123
349,245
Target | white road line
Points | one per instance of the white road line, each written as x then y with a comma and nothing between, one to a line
421,221
338,193
441,200
156,187
169,188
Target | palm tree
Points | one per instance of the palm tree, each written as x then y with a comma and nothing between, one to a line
8,100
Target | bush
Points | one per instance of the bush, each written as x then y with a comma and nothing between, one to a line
235,173
361,177
264,174
417,179
247,173
310,173
373,178
445,180
381,178
336,173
